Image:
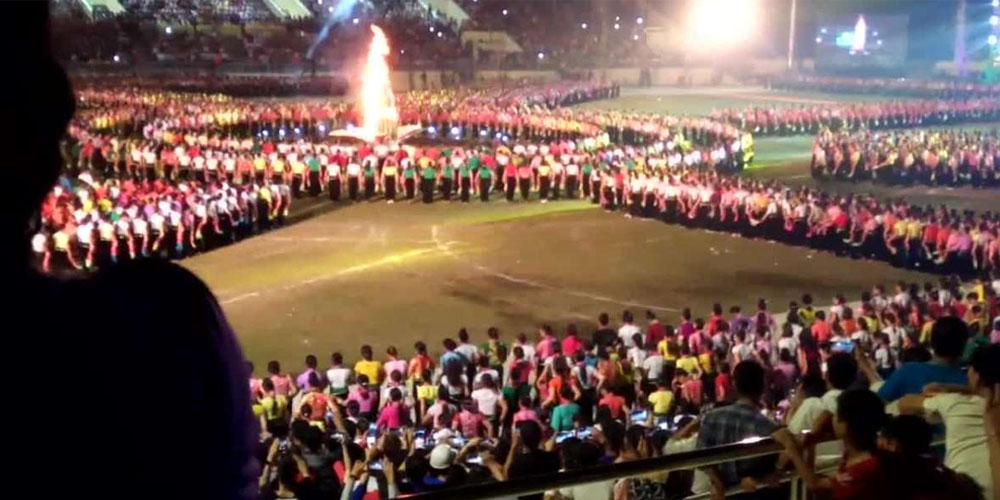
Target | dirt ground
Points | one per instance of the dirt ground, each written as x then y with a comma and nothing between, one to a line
379,274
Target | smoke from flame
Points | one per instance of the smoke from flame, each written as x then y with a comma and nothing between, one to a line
378,104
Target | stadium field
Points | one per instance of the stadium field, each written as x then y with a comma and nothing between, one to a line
379,274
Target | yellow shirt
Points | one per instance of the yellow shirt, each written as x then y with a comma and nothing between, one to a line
662,348
661,401
925,332
688,363
914,230
371,369
706,362
428,393
278,166
259,164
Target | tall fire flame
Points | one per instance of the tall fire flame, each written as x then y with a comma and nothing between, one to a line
378,105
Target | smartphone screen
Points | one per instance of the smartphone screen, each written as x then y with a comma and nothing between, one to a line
639,416
564,435
377,465
475,459
843,346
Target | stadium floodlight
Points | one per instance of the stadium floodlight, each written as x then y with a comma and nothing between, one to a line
168,30
298,130
583,25
994,20
992,40
617,26
319,2
266,133
635,37
541,55
440,34
356,21
484,132
117,58
281,132
639,20
330,9
455,131
618,18
432,29
819,39
322,128
431,130
505,12
714,24
996,3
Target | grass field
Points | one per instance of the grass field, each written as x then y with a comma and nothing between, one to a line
379,274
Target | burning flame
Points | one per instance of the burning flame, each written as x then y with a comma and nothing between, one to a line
378,104
860,35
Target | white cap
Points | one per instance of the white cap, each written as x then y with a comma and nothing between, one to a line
442,456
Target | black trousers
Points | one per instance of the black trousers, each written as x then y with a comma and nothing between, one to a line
390,187
427,188
465,186
333,185
525,185
410,185
484,189
352,187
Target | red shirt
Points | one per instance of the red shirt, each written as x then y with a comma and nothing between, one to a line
862,480
570,345
614,403
655,332
822,331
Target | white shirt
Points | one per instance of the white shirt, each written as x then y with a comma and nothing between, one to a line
487,400
338,377
653,366
469,351
805,416
601,490
966,449
626,332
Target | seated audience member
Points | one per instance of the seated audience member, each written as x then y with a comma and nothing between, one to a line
736,422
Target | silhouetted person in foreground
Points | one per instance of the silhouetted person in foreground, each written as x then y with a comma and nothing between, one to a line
102,401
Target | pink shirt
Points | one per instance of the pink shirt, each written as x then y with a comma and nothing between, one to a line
470,423
282,384
365,402
571,344
525,415
398,365
544,347
391,416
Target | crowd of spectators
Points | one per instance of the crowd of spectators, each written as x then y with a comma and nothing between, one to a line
931,157
910,87
578,397
858,116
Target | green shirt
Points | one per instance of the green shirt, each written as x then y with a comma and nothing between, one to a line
485,173
409,173
464,171
474,162
369,171
313,165
588,168
447,173
428,173
563,416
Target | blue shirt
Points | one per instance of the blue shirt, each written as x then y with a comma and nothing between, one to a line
912,377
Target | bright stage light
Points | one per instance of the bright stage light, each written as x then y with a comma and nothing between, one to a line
432,29
298,130
639,20
484,132
992,40
330,9
583,25
169,30
117,58
541,55
455,131
617,26
356,21
996,3
431,130
994,19
635,37
322,128
718,23
819,39
505,12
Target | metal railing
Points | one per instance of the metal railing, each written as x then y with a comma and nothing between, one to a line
688,460
668,463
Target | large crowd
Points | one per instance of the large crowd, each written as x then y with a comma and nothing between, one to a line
794,120
932,157
911,87
176,174
459,413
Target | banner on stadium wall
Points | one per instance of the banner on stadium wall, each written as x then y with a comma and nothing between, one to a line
493,41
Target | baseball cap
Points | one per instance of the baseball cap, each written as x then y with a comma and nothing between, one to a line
442,456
